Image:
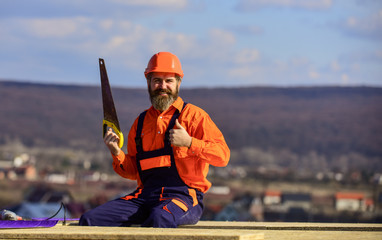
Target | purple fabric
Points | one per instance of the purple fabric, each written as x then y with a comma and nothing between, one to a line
59,219
27,224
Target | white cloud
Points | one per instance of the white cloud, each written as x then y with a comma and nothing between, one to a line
378,53
129,45
242,72
313,74
217,47
344,79
364,56
369,26
246,56
355,67
106,24
125,41
221,37
247,29
299,62
116,42
229,47
154,3
296,70
248,5
335,66
55,28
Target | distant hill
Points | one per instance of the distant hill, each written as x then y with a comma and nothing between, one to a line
326,120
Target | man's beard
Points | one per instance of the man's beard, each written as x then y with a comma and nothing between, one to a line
162,103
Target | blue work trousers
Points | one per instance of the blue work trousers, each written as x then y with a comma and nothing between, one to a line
166,207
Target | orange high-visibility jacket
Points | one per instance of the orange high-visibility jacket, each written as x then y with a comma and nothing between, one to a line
208,146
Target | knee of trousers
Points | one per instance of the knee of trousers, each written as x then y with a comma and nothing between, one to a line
85,219
160,218
93,218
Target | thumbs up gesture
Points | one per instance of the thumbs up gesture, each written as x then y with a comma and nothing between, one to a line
179,136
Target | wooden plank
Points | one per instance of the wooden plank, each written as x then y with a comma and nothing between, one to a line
314,235
205,230
286,226
281,226
128,233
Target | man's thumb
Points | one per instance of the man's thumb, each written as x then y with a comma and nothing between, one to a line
177,124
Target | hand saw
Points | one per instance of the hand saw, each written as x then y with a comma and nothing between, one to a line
110,118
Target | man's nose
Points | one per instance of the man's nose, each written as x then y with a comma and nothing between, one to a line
162,85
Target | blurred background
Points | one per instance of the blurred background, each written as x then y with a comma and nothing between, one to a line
295,87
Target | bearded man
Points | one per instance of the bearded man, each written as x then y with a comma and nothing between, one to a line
169,150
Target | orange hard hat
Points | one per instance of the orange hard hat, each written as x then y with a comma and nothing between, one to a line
164,62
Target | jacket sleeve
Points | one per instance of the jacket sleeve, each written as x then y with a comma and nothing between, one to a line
125,163
208,143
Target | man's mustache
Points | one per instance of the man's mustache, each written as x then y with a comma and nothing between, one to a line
161,91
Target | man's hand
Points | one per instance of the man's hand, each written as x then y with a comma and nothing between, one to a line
111,141
179,136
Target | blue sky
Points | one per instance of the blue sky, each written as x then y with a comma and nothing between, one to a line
220,43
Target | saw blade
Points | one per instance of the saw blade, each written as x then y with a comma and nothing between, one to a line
109,112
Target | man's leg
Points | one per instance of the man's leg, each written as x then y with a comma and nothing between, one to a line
171,216
118,212
176,210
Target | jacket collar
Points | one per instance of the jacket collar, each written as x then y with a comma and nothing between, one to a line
178,104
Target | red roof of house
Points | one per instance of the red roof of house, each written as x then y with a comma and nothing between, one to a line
369,202
272,193
350,195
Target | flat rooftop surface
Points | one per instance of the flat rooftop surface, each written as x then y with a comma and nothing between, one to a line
205,230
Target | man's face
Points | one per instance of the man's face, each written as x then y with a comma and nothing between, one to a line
163,89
